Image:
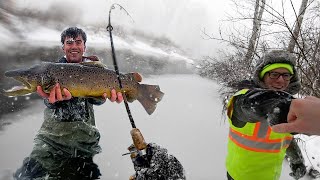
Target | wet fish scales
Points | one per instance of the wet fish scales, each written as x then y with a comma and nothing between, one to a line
90,79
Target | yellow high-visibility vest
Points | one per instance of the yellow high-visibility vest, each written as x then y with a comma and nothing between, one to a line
255,152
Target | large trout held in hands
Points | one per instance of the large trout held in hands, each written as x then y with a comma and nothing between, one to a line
87,79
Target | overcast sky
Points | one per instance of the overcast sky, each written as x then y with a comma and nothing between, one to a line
181,21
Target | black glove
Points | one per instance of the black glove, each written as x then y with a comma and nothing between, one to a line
298,170
157,164
279,112
274,104
263,104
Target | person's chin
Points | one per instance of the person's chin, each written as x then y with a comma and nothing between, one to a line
75,60
278,89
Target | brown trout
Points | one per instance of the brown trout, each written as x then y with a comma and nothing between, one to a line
87,79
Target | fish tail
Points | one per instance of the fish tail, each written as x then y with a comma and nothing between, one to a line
149,96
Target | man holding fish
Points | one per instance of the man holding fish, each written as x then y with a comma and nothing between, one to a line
68,139
73,48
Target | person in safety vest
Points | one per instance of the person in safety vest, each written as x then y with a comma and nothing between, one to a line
255,151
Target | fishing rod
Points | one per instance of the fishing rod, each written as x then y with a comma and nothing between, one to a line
139,148
115,64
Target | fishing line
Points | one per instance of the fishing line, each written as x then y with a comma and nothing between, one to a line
115,64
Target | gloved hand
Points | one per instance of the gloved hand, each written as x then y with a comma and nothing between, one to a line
264,104
279,108
160,165
298,170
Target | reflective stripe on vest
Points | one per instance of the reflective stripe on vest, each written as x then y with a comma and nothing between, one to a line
259,141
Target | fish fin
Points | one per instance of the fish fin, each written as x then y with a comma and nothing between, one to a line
149,96
130,96
136,76
48,88
94,64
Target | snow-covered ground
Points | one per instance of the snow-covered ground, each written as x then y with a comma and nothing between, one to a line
188,122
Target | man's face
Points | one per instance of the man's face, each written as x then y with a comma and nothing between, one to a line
74,49
277,79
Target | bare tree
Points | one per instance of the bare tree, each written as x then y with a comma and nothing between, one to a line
273,30
297,28
259,9
309,62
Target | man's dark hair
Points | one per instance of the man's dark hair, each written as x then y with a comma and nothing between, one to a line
73,32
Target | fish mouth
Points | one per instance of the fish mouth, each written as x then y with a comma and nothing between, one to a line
24,89
25,83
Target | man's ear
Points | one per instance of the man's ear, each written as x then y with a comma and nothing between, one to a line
62,46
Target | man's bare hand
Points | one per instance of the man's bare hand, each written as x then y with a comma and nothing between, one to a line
303,117
55,94
115,96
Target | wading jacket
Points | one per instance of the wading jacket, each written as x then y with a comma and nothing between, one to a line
68,131
254,150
